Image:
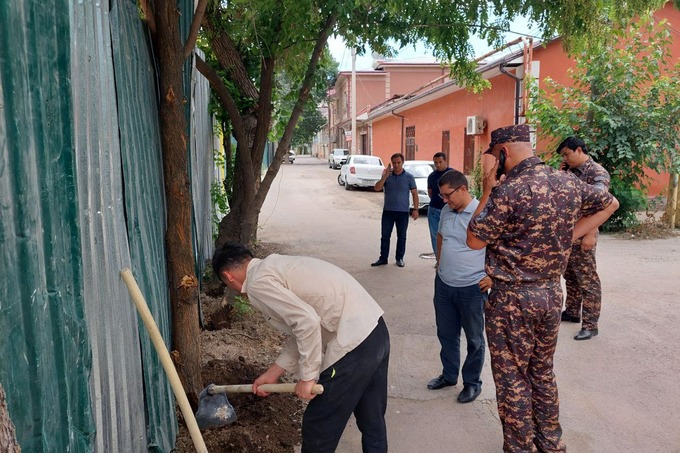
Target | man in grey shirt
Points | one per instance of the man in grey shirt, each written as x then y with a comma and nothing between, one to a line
460,289
398,184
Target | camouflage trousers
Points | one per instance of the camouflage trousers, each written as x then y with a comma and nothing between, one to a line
521,329
583,287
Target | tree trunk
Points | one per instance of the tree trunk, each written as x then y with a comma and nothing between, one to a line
250,191
234,227
8,440
180,257
672,214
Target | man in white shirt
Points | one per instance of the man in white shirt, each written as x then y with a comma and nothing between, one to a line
337,338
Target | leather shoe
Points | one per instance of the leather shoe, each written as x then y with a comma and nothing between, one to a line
569,318
469,394
401,263
439,383
586,334
380,262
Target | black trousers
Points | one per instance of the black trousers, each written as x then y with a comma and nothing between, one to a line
357,384
389,220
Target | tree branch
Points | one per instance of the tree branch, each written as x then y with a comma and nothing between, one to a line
195,27
229,58
225,97
264,111
303,95
148,15
475,25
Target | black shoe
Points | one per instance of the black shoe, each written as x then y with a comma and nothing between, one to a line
380,262
469,394
569,318
401,263
439,383
586,334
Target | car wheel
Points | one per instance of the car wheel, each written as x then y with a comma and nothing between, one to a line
340,181
347,186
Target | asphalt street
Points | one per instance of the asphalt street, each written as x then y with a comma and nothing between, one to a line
618,391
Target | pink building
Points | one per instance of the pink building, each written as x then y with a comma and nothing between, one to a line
447,117
387,80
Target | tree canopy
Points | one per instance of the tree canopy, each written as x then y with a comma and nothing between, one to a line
625,104
250,43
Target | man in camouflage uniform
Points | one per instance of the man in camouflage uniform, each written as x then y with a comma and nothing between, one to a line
583,283
527,218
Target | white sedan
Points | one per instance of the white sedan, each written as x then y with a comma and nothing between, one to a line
420,169
360,171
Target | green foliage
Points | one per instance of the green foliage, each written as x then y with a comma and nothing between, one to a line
218,194
252,37
448,26
241,306
475,177
312,121
625,104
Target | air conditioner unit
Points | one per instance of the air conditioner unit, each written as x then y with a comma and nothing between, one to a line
475,125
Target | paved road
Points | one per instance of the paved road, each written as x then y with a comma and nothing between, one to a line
618,392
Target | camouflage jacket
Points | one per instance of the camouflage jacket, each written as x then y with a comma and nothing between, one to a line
592,173
529,221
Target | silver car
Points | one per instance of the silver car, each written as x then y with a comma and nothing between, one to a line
337,157
420,169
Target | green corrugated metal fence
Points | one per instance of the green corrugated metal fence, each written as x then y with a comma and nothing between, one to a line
81,196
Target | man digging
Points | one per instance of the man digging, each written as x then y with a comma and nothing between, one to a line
337,338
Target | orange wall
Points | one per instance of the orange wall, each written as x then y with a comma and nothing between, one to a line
449,113
386,138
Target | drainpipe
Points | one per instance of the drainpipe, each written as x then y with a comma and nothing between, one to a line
401,150
518,81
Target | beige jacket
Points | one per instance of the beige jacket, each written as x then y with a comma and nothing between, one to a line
326,312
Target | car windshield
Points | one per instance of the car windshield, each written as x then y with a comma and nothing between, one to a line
340,152
367,161
419,171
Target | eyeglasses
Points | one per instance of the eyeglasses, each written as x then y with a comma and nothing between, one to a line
446,196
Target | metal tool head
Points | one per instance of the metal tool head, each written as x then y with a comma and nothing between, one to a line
214,409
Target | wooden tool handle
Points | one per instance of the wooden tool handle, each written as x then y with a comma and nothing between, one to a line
317,389
165,359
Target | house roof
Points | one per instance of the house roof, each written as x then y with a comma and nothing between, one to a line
380,65
487,67
414,61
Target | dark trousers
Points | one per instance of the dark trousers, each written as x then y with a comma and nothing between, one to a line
521,328
357,384
583,286
389,220
457,308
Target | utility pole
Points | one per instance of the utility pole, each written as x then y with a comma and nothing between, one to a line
353,143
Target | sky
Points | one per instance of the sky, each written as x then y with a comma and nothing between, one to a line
343,54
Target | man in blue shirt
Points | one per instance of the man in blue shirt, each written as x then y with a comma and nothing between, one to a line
434,210
397,184
460,289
